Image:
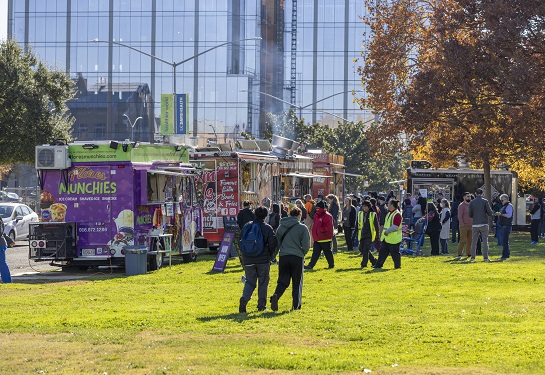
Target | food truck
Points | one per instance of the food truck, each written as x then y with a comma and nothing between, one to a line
427,181
97,199
329,172
225,179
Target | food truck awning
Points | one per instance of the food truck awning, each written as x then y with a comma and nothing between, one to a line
304,175
173,173
348,174
259,159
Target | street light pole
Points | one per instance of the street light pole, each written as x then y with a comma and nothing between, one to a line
132,124
174,64
300,108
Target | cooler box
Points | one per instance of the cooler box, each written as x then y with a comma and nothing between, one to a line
136,260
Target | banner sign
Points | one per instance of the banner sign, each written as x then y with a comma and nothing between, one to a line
145,153
224,250
182,113
167,114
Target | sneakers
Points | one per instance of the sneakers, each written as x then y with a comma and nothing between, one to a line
471,260
486,260
242,305
459,257
308,268
274,302
534,242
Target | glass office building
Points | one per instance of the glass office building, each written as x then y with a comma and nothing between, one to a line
128,52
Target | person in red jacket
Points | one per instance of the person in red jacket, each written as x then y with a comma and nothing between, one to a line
322,233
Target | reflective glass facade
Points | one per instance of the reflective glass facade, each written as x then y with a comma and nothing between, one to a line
226,84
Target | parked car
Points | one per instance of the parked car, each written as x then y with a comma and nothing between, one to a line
6,196
16,218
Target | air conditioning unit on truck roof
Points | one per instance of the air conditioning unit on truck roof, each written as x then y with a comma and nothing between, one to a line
52,157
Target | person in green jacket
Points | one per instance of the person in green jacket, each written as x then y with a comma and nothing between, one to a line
293,244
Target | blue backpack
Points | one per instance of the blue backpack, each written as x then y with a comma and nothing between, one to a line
251,240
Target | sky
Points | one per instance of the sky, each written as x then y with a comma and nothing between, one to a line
3,19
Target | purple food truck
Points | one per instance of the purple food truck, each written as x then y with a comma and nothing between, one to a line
101,198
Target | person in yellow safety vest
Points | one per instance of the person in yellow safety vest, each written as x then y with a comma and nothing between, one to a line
367,232
391,236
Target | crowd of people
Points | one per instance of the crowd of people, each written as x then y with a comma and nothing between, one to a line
376,226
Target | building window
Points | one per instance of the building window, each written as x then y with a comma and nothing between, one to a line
80,131
100,131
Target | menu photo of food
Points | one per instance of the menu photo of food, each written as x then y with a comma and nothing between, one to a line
125,230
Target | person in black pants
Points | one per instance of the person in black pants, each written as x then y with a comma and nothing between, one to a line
293,244
536,219
434,227
349,222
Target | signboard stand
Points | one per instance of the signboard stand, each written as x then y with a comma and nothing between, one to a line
225,249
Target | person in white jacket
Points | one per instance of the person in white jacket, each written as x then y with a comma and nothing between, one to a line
445,225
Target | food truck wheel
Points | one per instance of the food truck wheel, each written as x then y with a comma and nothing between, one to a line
155,262
189,257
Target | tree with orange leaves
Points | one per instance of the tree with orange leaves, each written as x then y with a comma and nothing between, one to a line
458,77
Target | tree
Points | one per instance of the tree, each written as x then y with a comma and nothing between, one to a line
32,102
350,140
458,77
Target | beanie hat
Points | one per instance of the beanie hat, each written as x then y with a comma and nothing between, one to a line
320,204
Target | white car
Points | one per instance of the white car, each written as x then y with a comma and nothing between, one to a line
16,218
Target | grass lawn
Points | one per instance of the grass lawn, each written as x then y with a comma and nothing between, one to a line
433,316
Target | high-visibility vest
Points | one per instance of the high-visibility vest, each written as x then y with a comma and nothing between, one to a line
395,236
371,224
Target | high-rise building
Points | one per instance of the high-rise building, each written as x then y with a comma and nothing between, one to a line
141,49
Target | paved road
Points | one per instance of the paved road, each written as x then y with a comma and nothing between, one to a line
18,262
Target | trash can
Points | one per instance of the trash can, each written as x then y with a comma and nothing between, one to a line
136,260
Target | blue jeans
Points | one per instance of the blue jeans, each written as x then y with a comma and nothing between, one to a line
505,231
4,270
498,233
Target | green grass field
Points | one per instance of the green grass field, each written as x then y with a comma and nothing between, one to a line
433,316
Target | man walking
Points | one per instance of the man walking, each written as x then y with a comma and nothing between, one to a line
293,244
367,232
391,236
322,234
480,212
257,268
466,223
505,221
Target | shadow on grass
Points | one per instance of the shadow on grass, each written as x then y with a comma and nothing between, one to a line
349,269
241,317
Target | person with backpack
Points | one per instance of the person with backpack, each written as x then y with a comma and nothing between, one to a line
257,245
5,242
293,244
334,210
322,233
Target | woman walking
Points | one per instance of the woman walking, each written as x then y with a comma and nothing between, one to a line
445,226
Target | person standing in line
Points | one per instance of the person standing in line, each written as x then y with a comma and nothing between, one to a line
367,232
433,230
480,212
333,203
257,268
322,233
274,217
311,209
407,213
535,215
293,244
391,236
505,216
454,223
466,224
5,242
349,222
445,226
245,215
496,206
301,206
381,203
